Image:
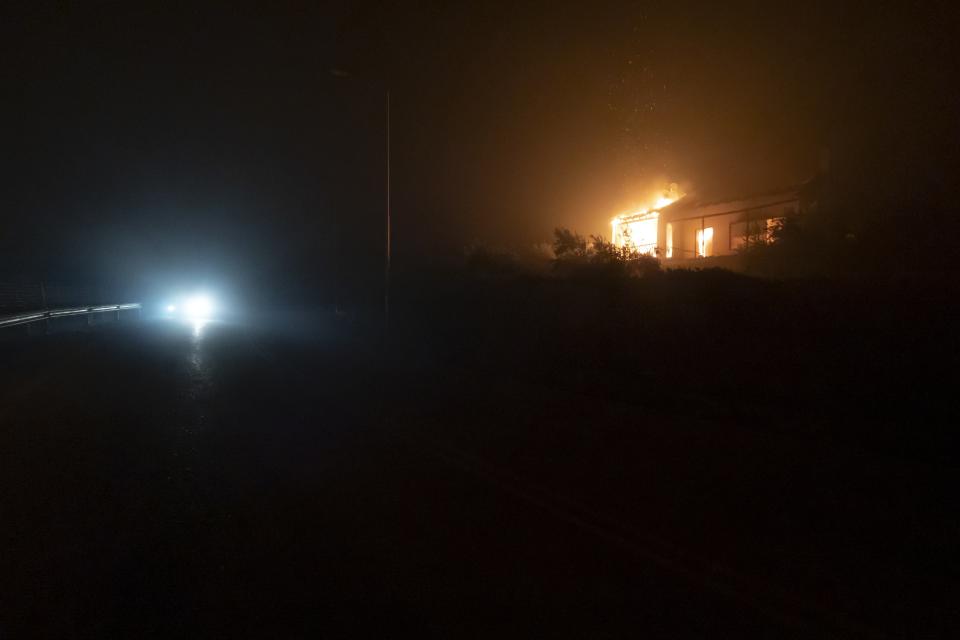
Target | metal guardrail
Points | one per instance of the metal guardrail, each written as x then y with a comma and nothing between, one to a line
38,316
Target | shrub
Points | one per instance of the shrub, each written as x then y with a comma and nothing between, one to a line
599,257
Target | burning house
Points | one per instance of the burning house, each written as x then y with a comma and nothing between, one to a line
683,229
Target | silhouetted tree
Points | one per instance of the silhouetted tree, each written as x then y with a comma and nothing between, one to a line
567,244
575,256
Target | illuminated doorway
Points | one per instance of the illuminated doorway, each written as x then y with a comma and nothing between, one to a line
705,242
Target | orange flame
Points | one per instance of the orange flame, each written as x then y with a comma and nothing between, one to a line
638,228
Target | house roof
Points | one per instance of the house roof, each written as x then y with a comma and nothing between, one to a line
694,206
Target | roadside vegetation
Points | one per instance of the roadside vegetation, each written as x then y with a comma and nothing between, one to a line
865,358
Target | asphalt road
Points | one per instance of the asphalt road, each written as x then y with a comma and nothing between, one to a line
159,480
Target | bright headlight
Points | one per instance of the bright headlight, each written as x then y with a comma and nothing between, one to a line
199,307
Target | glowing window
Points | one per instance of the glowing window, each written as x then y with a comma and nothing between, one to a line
643,234
669,240
705,242
752,232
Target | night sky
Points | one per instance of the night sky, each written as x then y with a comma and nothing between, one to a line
168,141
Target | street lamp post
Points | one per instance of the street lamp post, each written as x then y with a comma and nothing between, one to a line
386,274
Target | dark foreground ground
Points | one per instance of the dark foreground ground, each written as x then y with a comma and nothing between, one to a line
244,483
